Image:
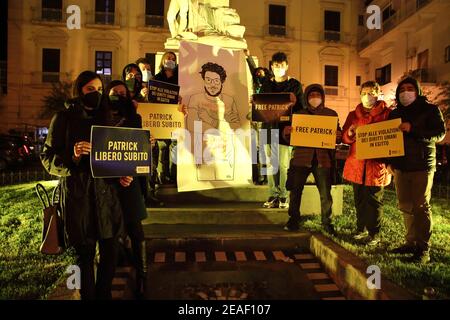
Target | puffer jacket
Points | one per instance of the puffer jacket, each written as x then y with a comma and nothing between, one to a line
371,172
427,128
90,206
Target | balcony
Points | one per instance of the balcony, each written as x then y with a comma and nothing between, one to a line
335,36
336,92
278,31
48,16
424,75
402,13
38,77
104,19
155,23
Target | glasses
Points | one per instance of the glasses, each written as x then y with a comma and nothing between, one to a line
212,81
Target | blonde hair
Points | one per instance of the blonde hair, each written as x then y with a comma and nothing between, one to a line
163,58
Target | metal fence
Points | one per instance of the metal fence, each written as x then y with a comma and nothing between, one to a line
9,178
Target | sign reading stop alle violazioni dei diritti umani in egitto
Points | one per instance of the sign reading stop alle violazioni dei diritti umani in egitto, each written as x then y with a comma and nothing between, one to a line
380,140
314,131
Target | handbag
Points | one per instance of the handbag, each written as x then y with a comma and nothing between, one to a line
53,228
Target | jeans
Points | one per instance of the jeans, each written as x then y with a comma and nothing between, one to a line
297,177
413,196
277,167
369,207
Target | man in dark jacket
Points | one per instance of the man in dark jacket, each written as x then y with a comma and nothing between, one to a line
281,82
306,160
423,126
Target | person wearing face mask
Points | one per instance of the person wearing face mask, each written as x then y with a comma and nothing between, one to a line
132,76
168,72
280,83
123,114
422,125
91,207
368,177
317,161
146,70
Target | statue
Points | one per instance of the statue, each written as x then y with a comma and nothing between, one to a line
207,21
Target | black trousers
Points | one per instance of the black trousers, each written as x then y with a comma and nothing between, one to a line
101,288
369,207
296,180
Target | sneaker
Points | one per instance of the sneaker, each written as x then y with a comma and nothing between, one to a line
329,229
405,249
271,203
292,225
373,240
284,203
361,235
422,257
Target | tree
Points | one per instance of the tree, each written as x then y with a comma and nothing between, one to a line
54,101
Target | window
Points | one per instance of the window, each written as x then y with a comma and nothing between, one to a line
52,10
388,12
331,80
361,20
104,11
50,65
154,13
152,58
277,20
422,60
358,80
332,26
103,64
383,75
447,54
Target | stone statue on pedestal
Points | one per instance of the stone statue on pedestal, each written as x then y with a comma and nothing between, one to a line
210,22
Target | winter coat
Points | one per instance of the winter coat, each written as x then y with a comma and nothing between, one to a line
90,206
303,156
427,128
371,172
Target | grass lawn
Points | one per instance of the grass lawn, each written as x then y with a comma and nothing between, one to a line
411,276
25,273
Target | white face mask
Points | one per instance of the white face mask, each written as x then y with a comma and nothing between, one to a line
315,102
170,64
279,72
407,97
368,101
146,75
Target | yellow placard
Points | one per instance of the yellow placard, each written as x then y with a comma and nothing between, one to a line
161,119
314,131
380,140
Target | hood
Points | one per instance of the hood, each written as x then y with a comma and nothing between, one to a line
313,87
412,81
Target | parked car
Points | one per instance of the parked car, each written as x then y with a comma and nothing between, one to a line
14,152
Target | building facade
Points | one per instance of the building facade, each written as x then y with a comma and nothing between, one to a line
326,42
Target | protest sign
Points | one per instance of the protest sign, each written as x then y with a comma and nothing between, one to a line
314,131
380,140
162,92
161,119
271,107
119,152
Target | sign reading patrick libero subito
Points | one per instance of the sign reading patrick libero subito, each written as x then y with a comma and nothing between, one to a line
119,152
161,119
162,92
271,107
380,140
314,131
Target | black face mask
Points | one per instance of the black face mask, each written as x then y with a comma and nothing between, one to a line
119,104
92,100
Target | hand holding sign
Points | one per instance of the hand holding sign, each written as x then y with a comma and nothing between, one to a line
81,148
126,181
405,127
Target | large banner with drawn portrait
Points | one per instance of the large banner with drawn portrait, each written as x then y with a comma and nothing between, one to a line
214,151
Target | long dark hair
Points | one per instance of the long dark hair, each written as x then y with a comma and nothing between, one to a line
82,79
130,110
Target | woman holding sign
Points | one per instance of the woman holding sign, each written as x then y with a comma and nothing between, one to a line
368,177
123,114
422,125
91,206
